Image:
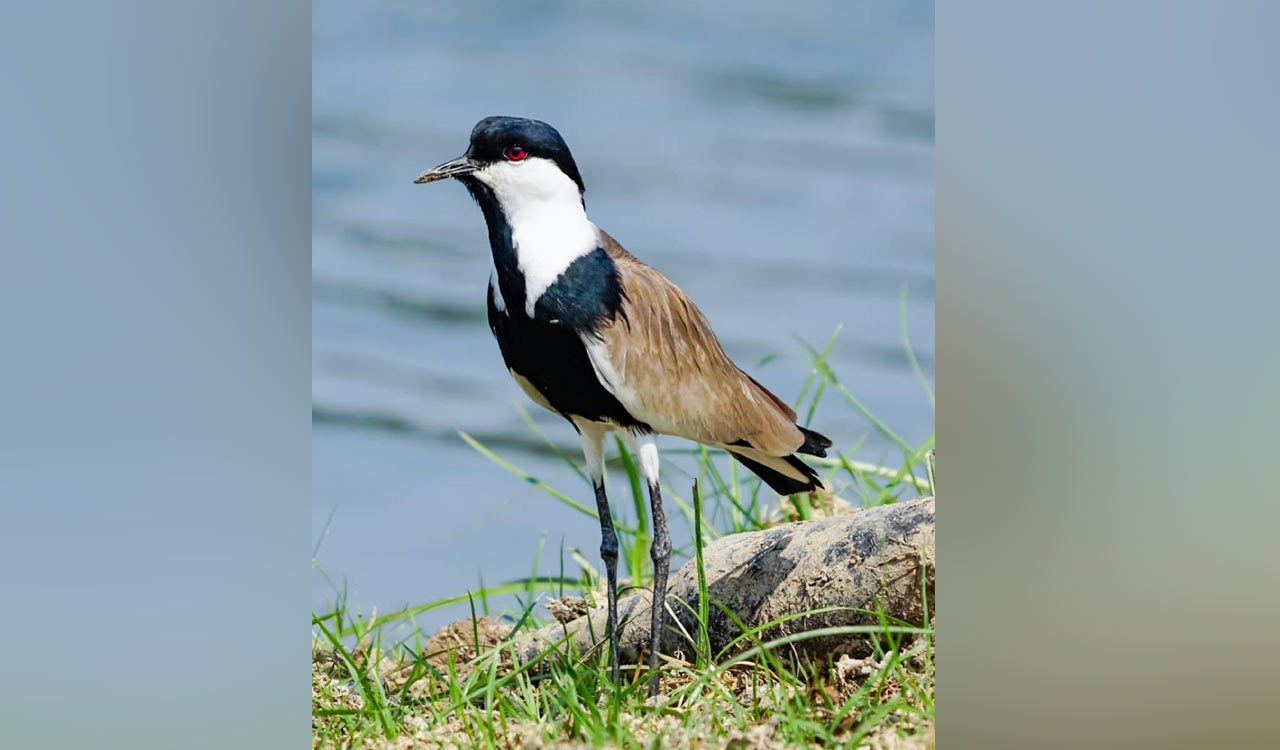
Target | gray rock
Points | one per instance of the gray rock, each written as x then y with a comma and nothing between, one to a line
876,557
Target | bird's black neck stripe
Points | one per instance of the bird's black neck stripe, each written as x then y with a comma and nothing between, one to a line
505,260
585,295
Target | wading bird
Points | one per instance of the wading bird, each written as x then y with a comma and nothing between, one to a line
593,334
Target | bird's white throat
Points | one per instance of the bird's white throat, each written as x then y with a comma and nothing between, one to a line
549,226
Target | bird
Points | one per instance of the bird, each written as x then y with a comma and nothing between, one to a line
598,337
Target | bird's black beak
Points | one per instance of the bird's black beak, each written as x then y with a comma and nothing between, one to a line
463,165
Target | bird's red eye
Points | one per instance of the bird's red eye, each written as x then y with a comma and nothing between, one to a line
515,153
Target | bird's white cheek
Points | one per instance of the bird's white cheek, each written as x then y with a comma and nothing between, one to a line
534,180
486,176
501,176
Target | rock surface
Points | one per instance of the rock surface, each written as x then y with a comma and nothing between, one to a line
879,556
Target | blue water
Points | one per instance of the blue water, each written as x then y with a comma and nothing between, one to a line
774,159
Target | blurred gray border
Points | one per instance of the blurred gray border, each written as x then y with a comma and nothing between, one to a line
1106,197
155,306
1107,362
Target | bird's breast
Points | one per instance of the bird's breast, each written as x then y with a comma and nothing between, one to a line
550,363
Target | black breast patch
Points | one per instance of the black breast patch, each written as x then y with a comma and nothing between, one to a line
584,296
552,357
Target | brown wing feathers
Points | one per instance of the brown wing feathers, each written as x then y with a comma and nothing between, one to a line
664,363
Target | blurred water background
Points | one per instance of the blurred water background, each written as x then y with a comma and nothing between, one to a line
774,159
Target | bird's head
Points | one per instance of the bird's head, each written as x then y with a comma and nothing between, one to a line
520,160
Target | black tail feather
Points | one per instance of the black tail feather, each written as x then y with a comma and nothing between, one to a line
781,483
814,443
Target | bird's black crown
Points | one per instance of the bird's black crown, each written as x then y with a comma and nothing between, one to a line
492,136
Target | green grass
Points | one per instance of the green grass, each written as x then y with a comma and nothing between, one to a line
376,682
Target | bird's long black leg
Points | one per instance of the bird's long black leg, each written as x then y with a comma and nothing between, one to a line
609,552
592,435
660,553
